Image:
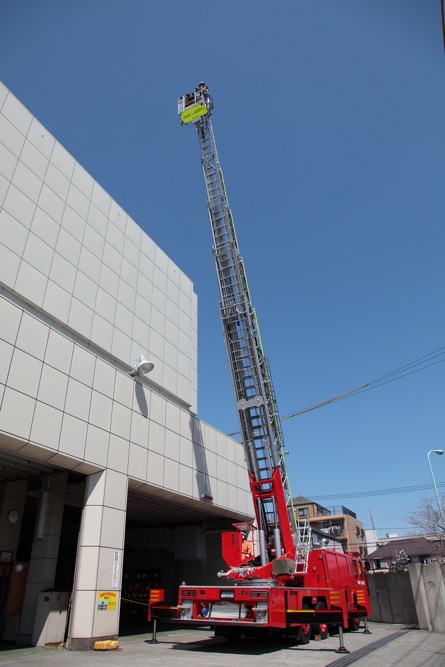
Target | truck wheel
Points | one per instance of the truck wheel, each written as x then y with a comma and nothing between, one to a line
304,636
320,629
304,631
353,623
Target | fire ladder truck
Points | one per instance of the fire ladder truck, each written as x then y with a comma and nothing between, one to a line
288,587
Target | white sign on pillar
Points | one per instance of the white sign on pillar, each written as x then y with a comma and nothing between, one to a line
115,577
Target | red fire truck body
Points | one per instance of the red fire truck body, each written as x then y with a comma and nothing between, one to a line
331,590
289,595
287,585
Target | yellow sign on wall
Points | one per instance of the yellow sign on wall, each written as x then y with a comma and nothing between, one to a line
106,600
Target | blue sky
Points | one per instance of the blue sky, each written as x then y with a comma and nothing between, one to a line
329,121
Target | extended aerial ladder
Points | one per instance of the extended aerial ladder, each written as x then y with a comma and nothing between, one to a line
288,588
280,534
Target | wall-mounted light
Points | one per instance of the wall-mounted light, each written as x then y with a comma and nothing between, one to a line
141,367
13,516
18,567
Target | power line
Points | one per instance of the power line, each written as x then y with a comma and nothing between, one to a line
389,529
320,405
412,364
376,492
410,368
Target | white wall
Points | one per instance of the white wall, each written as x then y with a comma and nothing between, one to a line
83,291
68,248
63,404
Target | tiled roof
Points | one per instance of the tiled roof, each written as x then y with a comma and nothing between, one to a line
415,546
301,500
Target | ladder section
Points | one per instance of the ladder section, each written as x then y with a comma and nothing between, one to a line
255,402
255,398
304,546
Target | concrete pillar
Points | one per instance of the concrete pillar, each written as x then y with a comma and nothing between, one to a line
98,578
420,596
45,548
433,575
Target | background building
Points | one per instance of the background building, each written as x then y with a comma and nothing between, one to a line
395,554
104,478
337,522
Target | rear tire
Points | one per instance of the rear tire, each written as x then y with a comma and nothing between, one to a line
353,623
304,635
320,629
305,631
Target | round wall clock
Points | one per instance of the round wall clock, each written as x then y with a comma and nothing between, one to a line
13,516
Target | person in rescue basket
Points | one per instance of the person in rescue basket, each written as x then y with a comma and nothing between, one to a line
246,547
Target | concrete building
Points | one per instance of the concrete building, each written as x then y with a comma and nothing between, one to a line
337,522
372,540
104,478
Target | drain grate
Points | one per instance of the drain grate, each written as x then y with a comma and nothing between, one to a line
356,655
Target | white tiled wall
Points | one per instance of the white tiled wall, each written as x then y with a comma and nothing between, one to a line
64,405
77,274
69,249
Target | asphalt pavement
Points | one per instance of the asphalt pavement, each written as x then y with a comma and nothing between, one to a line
387,646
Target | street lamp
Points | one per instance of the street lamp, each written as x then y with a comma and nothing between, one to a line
440,452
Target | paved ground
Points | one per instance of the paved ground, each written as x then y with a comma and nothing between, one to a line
387,646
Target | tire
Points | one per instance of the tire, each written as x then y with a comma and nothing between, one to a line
305,632
353,623
304,635
320,629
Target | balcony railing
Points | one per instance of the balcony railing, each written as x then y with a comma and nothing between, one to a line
334,530
336,509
